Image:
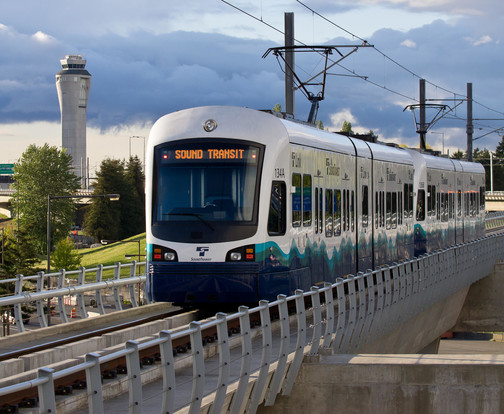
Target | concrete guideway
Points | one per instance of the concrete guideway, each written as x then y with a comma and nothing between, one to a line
401,308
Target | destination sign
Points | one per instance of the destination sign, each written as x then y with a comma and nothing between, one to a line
209,154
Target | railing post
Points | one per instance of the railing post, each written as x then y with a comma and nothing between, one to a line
80,295
380,299
255,398
134,302
61,299
279,374
371,314
238,403
134,377
18,313
329,302
300,344
198,367
40,304
341,323
94,384
117,276
317,320
168,369
352,314
224,364
47,398
362,307
98,295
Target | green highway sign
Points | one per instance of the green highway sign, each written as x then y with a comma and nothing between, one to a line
7,169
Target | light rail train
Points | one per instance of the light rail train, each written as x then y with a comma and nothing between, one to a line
243,205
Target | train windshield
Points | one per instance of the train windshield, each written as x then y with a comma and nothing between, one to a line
206,191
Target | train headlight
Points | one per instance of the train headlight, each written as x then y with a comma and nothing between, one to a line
169,256
235,256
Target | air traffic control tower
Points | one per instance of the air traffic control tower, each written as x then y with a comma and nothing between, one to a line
73,83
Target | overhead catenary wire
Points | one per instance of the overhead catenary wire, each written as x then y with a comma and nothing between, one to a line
353,72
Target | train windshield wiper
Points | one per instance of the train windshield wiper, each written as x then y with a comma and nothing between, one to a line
198,216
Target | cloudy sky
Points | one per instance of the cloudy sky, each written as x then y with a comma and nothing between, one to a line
149,58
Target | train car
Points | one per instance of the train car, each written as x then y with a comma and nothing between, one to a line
450,202
243,205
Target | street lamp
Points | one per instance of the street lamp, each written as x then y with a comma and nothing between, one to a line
442,134
137,136
105,242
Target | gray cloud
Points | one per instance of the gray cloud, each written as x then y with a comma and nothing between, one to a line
142,69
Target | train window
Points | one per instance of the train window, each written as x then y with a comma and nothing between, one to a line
320,213
420,208
444,207
365,206
451,205
459,203
329,213
394,210
377,209
337,212
399,208
307,200
382,208
466,204
296,200
482,199
408,200
431,200
352,211
276,218
438,206
388,222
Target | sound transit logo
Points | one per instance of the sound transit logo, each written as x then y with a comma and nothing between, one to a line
201,250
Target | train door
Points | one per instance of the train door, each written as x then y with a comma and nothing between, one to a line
364,227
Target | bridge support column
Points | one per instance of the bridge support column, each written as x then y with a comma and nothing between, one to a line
432,348
482,310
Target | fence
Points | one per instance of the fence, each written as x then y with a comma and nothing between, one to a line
41,293
340,317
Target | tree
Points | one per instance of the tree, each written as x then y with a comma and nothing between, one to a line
347,127
277,108
102,219
65,257
458,155
20,254
136,212
117,220
40,172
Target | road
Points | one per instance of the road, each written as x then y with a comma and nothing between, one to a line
472,344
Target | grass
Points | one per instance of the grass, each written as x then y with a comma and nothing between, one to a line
112,253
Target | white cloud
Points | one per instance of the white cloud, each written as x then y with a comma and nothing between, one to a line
42,37
481,41
408,43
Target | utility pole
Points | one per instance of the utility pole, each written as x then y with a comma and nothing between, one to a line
470,127
422,130
289,63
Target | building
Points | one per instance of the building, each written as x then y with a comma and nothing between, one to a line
73,83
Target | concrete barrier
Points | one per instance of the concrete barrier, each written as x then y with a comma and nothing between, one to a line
384,384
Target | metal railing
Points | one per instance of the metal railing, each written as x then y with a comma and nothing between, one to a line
38,292
342,317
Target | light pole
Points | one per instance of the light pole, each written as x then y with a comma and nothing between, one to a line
112,197
442,134
137,136
105,242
